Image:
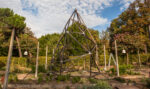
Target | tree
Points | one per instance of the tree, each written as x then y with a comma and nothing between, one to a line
16,23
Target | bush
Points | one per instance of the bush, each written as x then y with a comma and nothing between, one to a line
40,78
12,78
99,85
102,85
67,87
63,77
119,79
148,83
93,81
75,79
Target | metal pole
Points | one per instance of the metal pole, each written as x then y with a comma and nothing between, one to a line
9,59
116,51
37,57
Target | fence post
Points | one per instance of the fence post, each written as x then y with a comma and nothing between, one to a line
117,64
37,57
105,68
46,58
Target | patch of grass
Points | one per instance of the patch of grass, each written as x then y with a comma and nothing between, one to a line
99,85
119,79
63,77
67,87
40,78
92,80
148,83
75,79
12,78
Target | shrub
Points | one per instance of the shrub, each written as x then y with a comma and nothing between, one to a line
102,85
148,83
63,77
41,69
75,79
12,78
99,85
40,78
67,87
119,79
93,81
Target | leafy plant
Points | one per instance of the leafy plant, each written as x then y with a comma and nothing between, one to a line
75,79
63,77
12,78
99,85
40,78
92,80
119,79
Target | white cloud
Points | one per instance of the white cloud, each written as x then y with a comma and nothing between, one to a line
53,14
126,4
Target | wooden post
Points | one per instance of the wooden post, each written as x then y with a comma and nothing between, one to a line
116,52
139,58
9,59
149,31
90,65
37,58
19,49
53,53
105,68
46,58
84,63
127,58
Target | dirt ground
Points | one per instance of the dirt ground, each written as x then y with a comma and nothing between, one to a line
28,81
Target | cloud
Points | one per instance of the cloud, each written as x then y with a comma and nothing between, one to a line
126,4
49,16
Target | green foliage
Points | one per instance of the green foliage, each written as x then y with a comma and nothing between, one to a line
92,80
67,87
148,83
63,77
40,78
119,79
75,79
99,85
49,40
12,78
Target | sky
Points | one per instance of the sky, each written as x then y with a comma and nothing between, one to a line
50,16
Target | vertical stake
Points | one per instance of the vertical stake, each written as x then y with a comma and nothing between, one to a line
116,52
9,59
46,58
37,58
105,58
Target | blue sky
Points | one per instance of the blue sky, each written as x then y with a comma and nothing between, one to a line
50,16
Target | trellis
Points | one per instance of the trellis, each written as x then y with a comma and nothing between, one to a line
59,55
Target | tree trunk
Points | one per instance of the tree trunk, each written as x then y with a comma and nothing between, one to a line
105,58
46,58
139,57
9,59
37,63
116,52
19,48
127,58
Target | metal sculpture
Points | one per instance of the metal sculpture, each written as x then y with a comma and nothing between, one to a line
69,37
